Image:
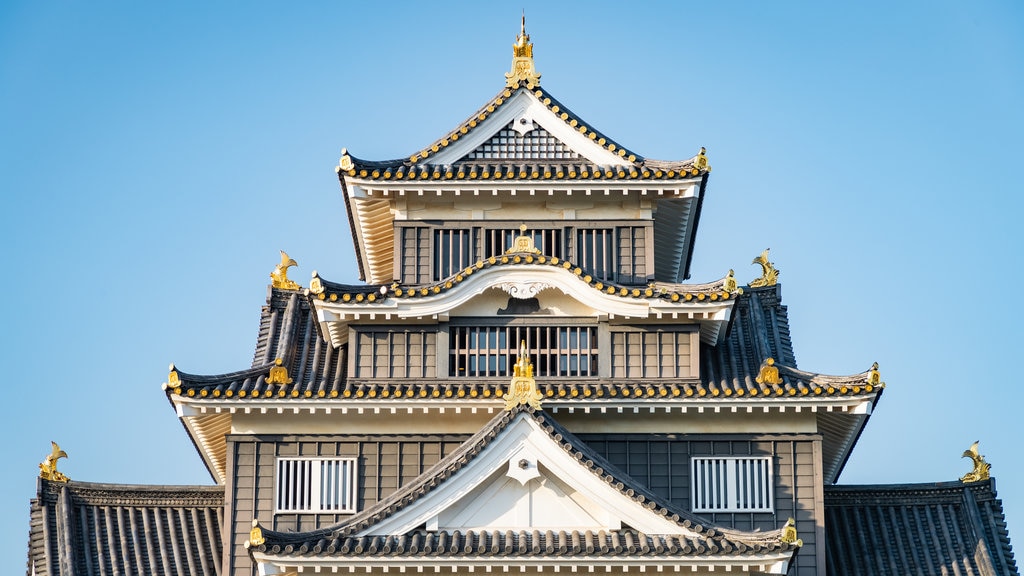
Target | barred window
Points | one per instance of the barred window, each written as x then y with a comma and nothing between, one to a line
316,485
497,240
451,252
556,351
595,252
731,484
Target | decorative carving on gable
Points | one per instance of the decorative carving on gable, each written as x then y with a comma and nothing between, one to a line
523,467
524,290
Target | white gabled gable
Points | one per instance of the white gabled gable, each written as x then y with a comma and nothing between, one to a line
523,480
522,106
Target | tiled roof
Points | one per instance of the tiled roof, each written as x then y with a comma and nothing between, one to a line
942,528
378,293
343,538
87,529
288,330
547,162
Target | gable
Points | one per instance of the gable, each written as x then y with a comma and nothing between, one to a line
524,479
523,140
516,117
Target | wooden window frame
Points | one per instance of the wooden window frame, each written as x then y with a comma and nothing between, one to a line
316,485
732,484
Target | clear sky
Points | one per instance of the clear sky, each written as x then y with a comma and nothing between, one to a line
155,157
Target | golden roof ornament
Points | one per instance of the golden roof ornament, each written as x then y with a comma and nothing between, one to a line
769,274
522,61
701,161
874,376
256,537
523,388
173,379
345,162
789,533
316,286
980,471
279,277
523,243
278,373
48,467
730,285
769,373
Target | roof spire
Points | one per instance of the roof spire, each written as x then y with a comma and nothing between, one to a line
522,61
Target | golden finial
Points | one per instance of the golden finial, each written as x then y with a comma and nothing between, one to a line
874,377
279,277
523,388
278,373
701,161
173,379
523,69
769,374
255,535
769,274
789,533
980,471
48,467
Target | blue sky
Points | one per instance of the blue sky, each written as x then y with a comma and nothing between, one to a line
155,158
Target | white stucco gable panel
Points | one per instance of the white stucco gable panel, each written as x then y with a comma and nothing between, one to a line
564,495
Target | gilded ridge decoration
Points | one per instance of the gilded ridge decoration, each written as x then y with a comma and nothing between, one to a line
523,243
769,373
769,274
980,471
874,376
173,379
279,277
278,373
730,284
48,467
701,161
523,388
256,537
789,533
522,61
316,286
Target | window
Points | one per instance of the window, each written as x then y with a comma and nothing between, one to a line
496,241
451,252
480,351
731,484
316,485
595,252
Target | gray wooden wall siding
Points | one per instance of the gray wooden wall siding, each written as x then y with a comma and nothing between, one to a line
616,251
385,463
661,462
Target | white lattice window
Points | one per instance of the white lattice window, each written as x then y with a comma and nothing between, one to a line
316,485
731,484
